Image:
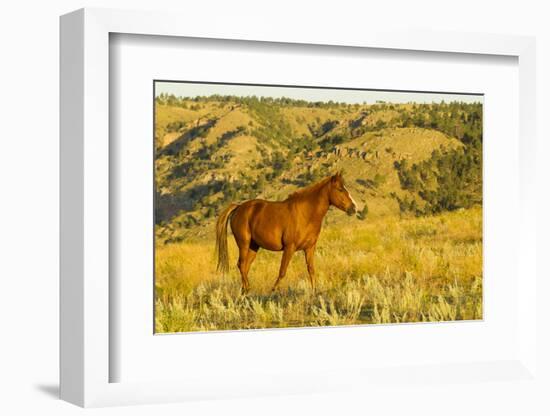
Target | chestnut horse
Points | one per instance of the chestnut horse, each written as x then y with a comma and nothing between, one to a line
288,226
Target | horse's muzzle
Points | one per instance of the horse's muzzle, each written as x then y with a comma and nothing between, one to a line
351,210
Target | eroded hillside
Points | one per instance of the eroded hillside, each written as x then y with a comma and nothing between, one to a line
396,158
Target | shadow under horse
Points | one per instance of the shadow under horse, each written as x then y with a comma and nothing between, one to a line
288,226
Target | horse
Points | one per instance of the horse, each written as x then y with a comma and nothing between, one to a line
288,226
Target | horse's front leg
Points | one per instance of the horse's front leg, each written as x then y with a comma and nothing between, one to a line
288,251
310,254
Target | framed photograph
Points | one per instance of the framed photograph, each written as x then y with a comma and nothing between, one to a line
381,189
273,214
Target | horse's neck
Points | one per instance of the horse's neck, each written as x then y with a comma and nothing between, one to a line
316,203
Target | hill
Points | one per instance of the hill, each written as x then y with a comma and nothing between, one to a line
397,159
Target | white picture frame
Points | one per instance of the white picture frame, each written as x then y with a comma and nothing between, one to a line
84,311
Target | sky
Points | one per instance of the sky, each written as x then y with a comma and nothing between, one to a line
184,89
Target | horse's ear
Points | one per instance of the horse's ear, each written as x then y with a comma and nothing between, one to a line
340,176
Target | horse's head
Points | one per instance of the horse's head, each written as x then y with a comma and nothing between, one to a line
339,196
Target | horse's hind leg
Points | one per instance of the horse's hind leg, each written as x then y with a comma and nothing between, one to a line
251,255
242,264
241,232
248,256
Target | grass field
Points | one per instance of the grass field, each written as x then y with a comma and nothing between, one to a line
384,270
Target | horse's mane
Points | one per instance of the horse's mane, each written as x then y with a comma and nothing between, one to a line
308,189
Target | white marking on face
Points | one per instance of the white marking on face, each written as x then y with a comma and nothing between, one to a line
350,197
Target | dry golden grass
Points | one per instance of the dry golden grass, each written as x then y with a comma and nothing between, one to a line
385,271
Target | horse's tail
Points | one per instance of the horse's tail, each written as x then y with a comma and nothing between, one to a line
221,238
